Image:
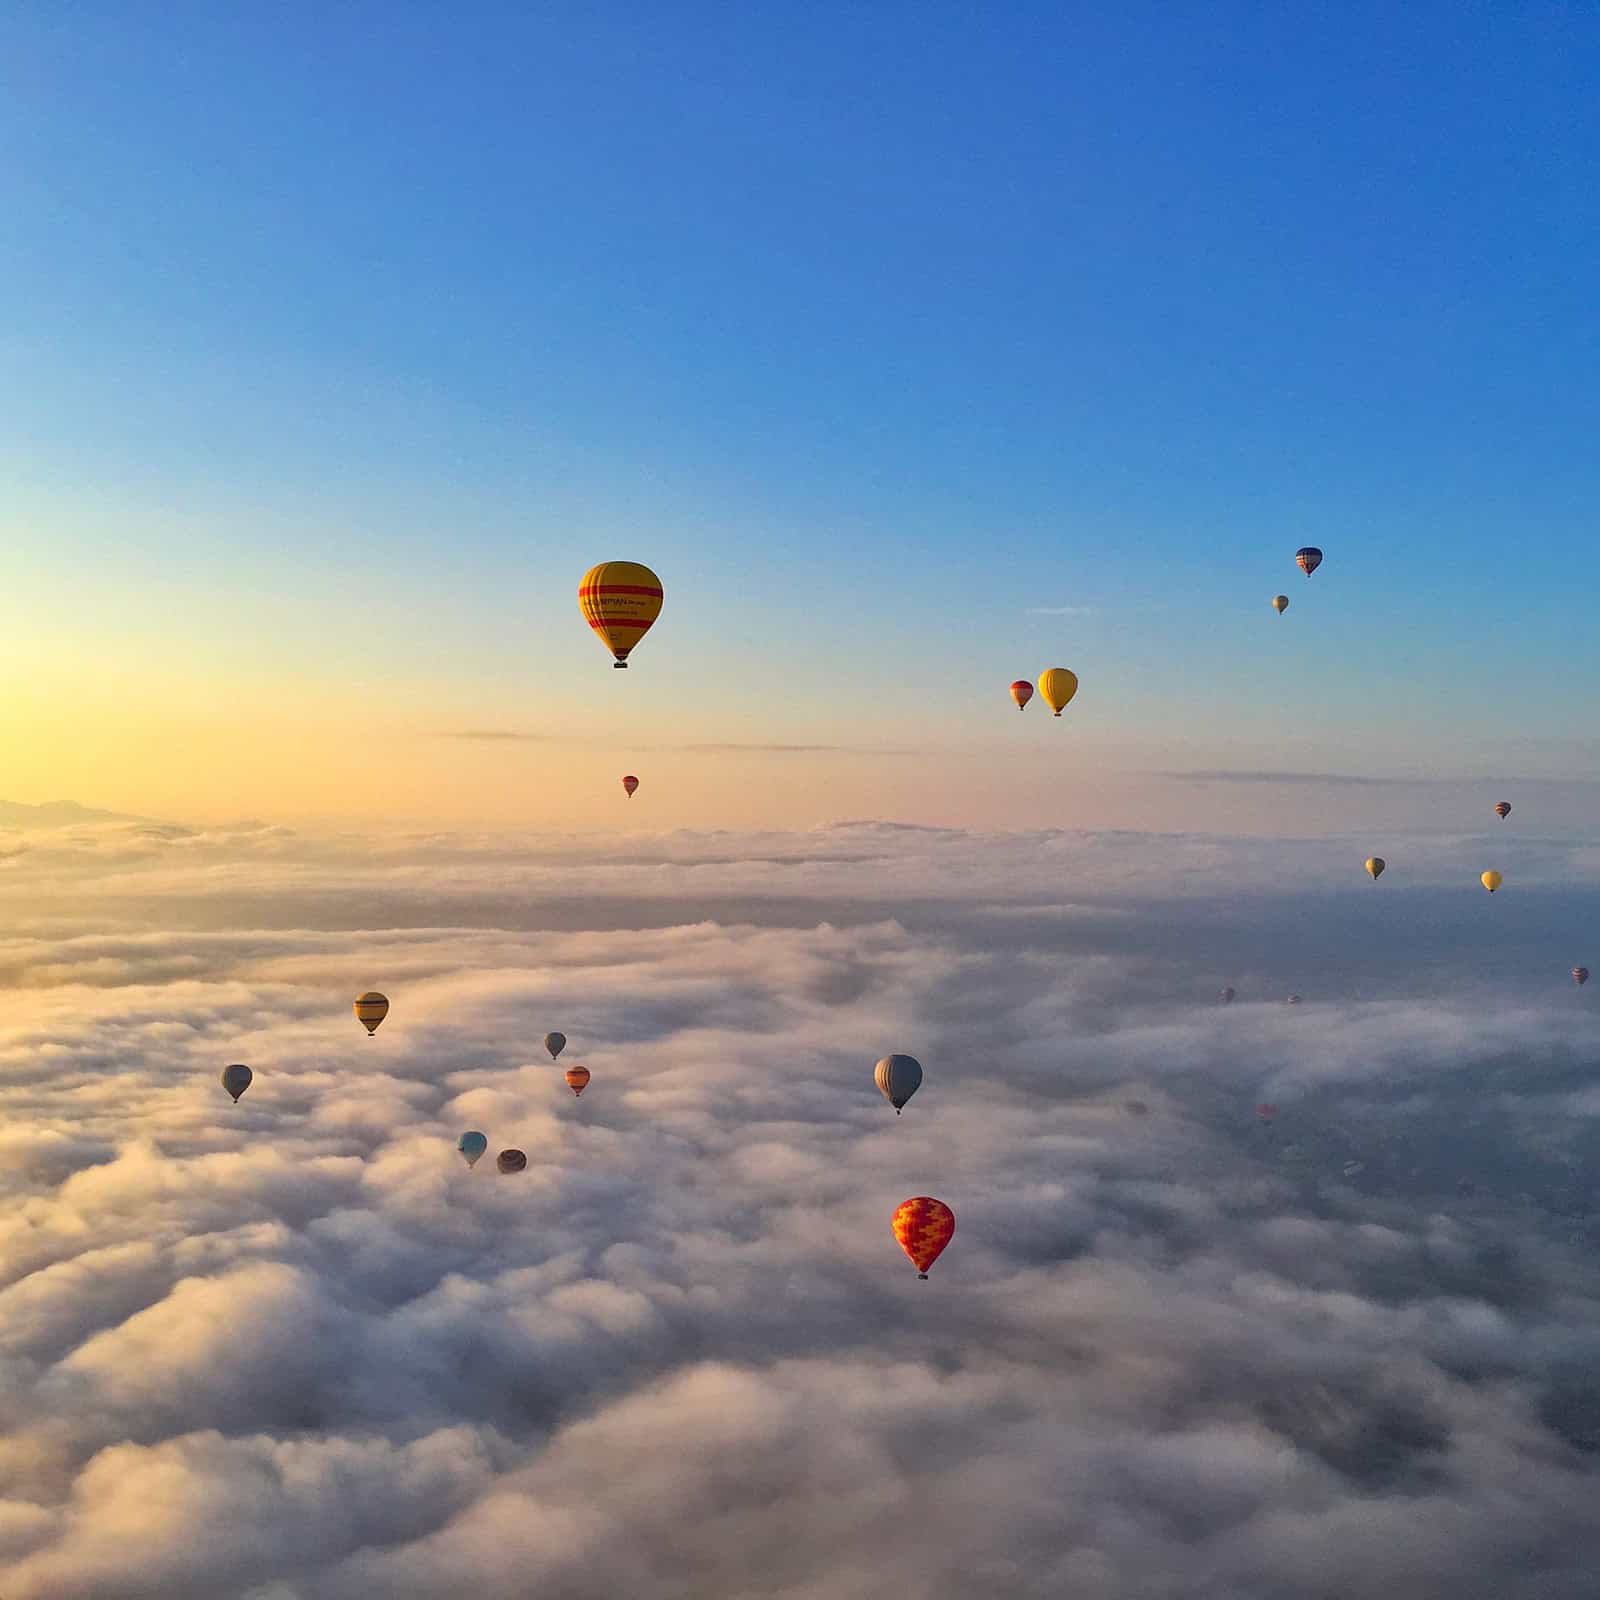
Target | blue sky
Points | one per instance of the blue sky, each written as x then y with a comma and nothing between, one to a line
352,342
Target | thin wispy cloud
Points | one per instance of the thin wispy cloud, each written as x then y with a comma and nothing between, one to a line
497,735
729,747
1062,611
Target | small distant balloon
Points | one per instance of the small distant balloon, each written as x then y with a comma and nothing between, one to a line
630,783
472,1146
1226,996
511,1161
1580,976
236,1079
898,1078
371,1009
1280,603
1136,1108
1058,685
1375,865
1354,1169
1266,1111
578,1079
1502,809
555,1043
1308,558
924,1226
1491,880
1293,1000
1021,692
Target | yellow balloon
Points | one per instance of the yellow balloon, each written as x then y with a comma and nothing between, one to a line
1280,603
1058,686
371,1009
1491,881
1375,865
620,600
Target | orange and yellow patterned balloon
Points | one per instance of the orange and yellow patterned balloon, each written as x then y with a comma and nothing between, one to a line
620,600
923,1226
577,1079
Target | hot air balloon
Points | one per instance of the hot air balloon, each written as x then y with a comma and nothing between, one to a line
1308,558
555,1043
1293,1000
924,1227
1021,692
236,1079
1502,809
1280,603
472,1145
1057,685
1226,996
1375,865
371,1009
511,1161
1491,880
1266,1111
620,600
898,1078
630,783
1354,1169
577,1079
1580,976
1136,1108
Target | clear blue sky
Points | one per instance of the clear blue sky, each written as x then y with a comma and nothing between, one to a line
352,341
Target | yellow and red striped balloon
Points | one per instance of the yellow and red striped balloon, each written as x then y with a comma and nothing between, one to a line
577,1079
371,1009
620,600
924,1226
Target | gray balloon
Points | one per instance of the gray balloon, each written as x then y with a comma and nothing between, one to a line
511,1161
898,1077
555,1043
236,1079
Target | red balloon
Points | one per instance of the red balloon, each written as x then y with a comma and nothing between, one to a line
1021,692
630,783
1266,1112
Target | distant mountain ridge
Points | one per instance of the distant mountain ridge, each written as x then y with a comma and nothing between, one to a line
57,814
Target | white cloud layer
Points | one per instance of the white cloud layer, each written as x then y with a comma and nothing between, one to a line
293,1349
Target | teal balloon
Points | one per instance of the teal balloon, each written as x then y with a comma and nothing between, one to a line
472,1145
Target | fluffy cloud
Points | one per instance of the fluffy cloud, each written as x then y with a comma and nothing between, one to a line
293,1349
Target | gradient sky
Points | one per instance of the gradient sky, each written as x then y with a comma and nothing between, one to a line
918,347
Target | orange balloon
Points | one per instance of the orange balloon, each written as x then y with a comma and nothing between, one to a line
577,1079
924,1226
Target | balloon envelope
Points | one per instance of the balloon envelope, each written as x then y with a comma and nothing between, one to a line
236,1079
1580,976
630,783
1266,1111
1502,809
511,1161
472,1145
924,1227
898,1078
1375,865
1058,685
1293,1000
1280,603
1226,996
1021,692
1491,880
555,1043
371,1009
620,600
577,1079
1308,558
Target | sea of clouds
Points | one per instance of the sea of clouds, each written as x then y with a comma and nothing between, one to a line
293,1349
